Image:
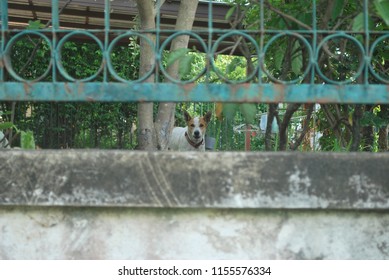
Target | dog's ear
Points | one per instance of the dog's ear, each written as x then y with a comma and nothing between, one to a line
207,116
187,116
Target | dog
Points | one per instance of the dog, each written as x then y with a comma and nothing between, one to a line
191,137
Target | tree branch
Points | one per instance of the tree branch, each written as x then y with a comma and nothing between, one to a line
297,143
286,16
32,56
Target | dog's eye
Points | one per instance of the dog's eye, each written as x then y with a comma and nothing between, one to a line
201,125
192,125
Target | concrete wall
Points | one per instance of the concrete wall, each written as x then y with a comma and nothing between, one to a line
137,205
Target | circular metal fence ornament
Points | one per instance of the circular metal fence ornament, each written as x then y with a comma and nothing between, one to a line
113,44
7,56
219,73
307,69
58,56
163,48
360,48
371,58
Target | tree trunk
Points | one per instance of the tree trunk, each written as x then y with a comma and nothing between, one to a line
156,136
147,60
367,134
165,118
290,110
383,132
268,134
383,139
356,128
305,128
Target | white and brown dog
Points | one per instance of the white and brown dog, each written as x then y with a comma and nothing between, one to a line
191,137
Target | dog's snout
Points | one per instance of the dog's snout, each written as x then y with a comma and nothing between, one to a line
196,133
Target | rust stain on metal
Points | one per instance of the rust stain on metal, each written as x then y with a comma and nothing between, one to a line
187,89
27,88
260,93
67,88
80,88
280,90
258,96
234,90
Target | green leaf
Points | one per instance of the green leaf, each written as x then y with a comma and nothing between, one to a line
6,125
176,55
305,18
369,118
385,56
230,12
297,61
358,23
185,65
5,113
27,140
34,24
382,7
278,59
229,110
233,64
338,8
249,111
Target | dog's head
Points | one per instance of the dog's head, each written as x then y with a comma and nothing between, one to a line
197,125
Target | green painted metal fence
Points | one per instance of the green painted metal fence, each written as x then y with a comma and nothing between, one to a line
366,84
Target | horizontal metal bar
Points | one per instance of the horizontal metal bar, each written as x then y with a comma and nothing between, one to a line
135,92
203,31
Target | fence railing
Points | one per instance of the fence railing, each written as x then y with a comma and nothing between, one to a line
364,84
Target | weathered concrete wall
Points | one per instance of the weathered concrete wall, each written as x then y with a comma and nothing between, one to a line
123,233
136,205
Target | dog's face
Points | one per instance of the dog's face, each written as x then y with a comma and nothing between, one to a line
197,125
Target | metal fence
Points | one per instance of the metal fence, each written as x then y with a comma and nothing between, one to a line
366,84
343,91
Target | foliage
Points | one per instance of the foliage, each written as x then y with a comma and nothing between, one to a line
27,140
111,125
73,125
286,59
372,118
382,7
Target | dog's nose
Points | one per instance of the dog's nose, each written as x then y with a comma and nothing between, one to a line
196,133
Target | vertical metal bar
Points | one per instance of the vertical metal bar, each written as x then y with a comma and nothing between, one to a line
4,29
313,67
210,35
367,41
107,10
4,15
54,15
314,42
261,40
54,28
157,40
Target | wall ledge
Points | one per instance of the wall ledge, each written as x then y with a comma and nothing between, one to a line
116,178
